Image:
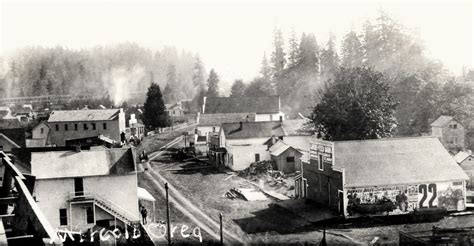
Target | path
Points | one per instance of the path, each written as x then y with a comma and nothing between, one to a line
184,205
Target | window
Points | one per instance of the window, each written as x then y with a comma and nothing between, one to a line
42,130
93,126
320,162
62,216
75,127
89,215
57,127
455,126
257,157
290,159
65,127
85,126
105,126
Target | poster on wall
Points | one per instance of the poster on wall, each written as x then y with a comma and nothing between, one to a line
404,199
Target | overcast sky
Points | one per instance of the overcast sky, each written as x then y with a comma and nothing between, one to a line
230,36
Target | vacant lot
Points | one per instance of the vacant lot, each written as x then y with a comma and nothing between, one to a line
254,221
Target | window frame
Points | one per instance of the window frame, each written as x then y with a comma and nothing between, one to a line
63,216
320,163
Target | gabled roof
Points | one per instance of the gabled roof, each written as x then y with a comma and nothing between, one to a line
262,129
395,161
41,123
218,119
442,121
461,156
66,164
83,115
279,147
220,105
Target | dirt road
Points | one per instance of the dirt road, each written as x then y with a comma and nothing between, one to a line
184,205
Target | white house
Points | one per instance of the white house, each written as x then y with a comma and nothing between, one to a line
77,124
79,189
245,142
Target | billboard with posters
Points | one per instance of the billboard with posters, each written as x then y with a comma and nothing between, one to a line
402,199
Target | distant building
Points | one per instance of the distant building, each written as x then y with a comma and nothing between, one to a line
41,130
79,189
211,123
245,142
450,132
466,162
175,109
265,108
383,176
76,124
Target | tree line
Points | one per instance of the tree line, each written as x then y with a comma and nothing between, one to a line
422,89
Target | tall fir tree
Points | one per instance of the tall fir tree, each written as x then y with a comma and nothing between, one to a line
171,84
293,47
238,88
155,114
329,58
198,74
352,50
266,70
278,59
309,53
213,84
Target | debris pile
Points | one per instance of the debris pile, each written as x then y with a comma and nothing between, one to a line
257,168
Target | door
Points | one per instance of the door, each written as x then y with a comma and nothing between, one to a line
78,187
341,201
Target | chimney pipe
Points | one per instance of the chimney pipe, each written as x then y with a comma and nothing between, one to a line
241,125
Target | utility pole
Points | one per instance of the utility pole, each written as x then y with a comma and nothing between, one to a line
168,229
220,219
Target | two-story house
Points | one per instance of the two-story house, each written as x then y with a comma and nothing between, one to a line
450,132
77,189
79,124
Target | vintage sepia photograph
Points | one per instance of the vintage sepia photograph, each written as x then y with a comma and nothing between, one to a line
236,122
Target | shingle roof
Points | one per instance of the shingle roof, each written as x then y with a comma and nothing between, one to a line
62,164
218,119
83,115
395,161
219,105
461,156
442,121
262,129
